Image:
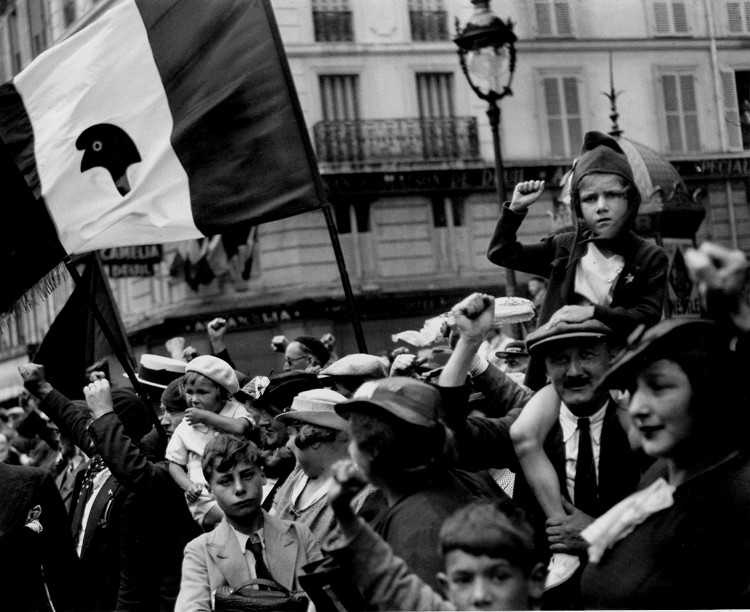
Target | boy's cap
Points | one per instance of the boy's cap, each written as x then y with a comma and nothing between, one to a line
283,388
517,348
159,371
316,347
217,370
173,397
600,154
677,336
317,408
540,340
360,365
406,398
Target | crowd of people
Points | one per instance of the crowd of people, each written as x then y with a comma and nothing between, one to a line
600,462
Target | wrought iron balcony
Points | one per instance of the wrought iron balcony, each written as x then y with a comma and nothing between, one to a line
397,140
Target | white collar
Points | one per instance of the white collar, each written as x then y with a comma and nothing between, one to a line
569,421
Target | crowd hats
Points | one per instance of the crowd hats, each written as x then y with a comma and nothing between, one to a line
408,399
357,365
680,339
217,370
517,348
282,389
159,371
316,407
540,340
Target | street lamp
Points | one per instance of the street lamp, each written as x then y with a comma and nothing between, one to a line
487,52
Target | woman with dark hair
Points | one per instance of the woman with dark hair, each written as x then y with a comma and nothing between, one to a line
682,540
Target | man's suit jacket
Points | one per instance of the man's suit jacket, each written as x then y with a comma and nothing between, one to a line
23,552
214,559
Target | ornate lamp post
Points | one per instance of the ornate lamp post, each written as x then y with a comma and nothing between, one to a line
487,53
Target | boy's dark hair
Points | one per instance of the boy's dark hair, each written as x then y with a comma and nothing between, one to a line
192,377
224,452
497,529
308,434
395,445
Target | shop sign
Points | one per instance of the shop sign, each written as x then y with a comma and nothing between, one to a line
132,261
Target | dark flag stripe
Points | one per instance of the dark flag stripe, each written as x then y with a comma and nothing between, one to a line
235,131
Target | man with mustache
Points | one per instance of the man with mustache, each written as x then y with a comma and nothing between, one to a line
587,445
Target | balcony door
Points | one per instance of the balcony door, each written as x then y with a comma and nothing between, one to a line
436,113
339,99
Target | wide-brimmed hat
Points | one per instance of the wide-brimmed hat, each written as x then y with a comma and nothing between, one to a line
541,340
406,398
517,348
672,338
159,371
316,407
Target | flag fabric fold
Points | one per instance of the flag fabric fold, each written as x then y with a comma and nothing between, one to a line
163,120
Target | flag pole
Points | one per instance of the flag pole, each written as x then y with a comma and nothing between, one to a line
318,179
127,366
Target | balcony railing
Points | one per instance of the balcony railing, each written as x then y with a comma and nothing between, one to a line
397,140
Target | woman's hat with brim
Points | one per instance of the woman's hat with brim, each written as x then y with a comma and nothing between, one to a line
316,407
283,387
665,340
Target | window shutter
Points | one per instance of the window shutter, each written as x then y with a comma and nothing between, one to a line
661,17
543,18
554,117
689,112
672,109
435,95
731,110
734,17
562,16
573,112
679,13
747,16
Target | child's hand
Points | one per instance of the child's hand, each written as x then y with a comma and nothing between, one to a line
571,314
194,492
525,194
196,416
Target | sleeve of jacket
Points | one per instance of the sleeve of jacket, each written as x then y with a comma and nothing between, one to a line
135,592
649,303
482,443
72,420
505,250
127,462
499,388
383,578
195,590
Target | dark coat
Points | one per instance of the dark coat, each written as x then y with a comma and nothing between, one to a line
150,479
23,553
118,544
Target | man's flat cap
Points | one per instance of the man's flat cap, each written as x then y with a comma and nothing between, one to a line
540,340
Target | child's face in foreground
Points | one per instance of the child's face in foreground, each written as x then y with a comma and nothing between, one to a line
604,204
485,583
204,394
239,491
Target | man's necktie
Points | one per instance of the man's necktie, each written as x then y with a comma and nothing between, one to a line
261,569
87,486
586,496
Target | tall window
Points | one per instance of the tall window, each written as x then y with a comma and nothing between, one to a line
428,19
15,45
681,112
435,94
332,20
563,112
738,17
339,96
69,12
670,17
36,26
553,18
735,87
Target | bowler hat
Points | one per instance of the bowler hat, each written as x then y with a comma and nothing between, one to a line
540,340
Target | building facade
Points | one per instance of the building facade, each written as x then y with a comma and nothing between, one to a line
405,151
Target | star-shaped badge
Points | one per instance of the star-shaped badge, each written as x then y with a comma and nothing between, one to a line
629,279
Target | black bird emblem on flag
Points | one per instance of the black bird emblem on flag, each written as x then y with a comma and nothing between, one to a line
110,147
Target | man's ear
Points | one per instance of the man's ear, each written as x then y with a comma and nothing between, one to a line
537,578
443,580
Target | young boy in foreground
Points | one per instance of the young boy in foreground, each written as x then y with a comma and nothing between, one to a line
248,543
491,562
